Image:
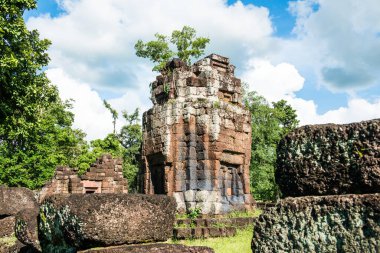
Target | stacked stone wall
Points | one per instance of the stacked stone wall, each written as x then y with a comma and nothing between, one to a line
104,176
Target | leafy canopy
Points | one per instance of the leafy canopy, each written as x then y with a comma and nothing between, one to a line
159,52
36,131
269,124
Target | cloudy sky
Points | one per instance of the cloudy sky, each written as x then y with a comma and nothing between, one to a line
322,56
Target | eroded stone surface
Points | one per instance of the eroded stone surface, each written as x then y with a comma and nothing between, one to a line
344,223
26,228
153,248
14,199
197,137
330,159
82,221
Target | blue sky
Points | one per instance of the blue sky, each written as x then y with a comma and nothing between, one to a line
322,56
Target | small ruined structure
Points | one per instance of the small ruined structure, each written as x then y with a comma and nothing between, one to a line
197,137
104,176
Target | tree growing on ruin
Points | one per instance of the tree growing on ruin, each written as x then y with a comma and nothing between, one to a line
159,51
269,124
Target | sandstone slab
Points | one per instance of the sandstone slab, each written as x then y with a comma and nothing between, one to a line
330,159
79,221
344,223
14,199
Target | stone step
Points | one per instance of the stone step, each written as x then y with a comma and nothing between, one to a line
206,232
239,222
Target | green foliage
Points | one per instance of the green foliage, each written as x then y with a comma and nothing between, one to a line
125,145
159,52
269,125
35,125
166,88
194,213
130,138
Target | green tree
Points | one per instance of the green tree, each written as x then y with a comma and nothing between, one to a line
269,125
130,138
125,145
159,52
35,125
114,113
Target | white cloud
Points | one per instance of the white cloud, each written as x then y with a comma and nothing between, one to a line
93,52
95,42
273,82
90,113
358,109
283,80
343,37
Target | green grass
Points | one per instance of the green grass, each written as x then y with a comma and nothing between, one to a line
241,243
243,214
8,241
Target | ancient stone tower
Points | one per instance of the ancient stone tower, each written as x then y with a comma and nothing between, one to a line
197,137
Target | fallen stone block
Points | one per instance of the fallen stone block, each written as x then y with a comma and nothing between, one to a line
340,223
330,159
14,199
26,228
77,221
152,248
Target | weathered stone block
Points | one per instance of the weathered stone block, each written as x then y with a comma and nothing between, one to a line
152,248
26,228
92,220
15,199
330,159
343,223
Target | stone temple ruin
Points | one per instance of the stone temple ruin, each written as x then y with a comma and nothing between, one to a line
104,176
197,137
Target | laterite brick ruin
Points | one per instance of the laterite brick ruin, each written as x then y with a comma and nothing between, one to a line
104,176
197,137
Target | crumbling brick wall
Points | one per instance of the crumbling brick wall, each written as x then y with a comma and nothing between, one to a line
197,137
104,176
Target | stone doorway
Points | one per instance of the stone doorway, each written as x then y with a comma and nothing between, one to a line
230,180
157,176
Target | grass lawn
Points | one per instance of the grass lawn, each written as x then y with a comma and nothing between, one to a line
241,243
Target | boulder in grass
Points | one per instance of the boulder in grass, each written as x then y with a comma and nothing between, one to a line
330,159
15,199
78,221
342,223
